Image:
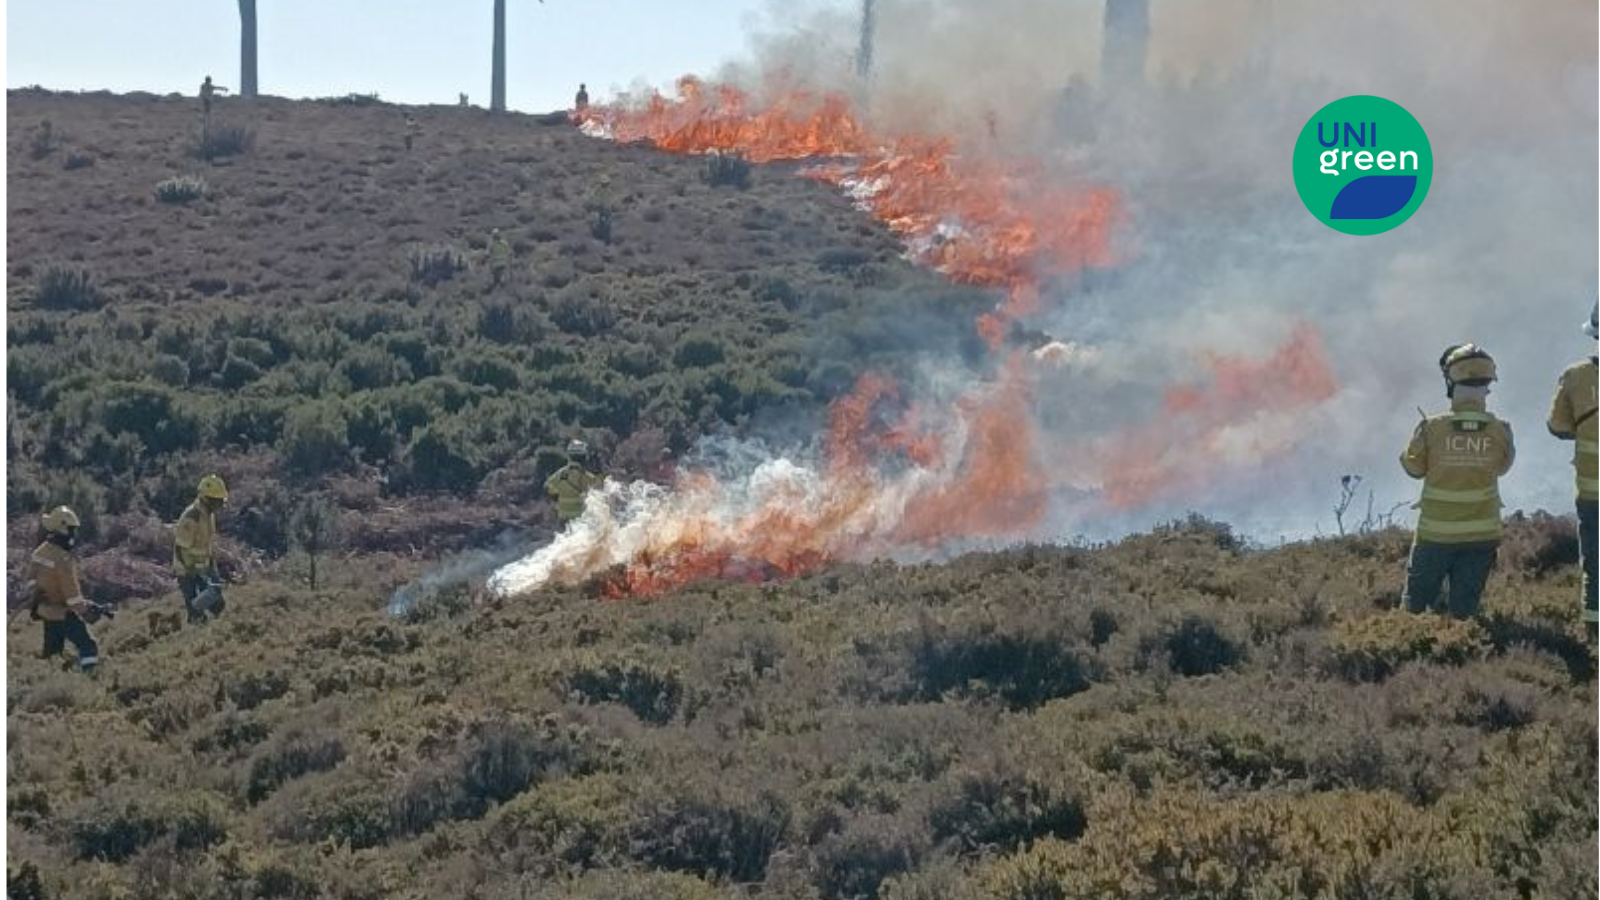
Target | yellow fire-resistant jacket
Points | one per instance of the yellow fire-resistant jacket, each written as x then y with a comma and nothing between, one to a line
192,540
56,574
499,253
1460,456
1572,418
568,486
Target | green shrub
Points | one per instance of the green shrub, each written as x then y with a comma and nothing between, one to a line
315,440
181,189
431,266
491,764
1182,844
66,287
713,830
582,315
1006,802
1024,669
441,460
654,693
76,161
222,140
856,861
152,413
727,169
698,353
1372,648
121,828
367,367
289,756
24,883
1194,646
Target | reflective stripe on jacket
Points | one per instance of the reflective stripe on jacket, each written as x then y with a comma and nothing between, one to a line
1460,456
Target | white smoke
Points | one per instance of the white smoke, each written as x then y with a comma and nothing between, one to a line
1221,255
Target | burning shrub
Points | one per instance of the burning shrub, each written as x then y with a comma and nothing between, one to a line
65,287
431,266
1371,649
727,170
654,693
181,189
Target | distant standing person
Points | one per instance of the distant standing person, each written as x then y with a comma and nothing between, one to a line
581,102
60,603
499,258
1460,456
412,129
1572,418
207,91
194,558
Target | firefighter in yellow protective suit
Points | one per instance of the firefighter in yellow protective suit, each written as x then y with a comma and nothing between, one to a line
499,258
1572,418
194,550
59,601
1460,456
571,483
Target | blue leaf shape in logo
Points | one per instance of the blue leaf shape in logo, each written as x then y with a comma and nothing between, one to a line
1374,197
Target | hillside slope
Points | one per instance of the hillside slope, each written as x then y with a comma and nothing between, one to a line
277,330
1172,716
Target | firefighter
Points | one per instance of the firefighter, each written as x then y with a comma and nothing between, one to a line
571,483
1460,456
59,600
194,550
499,258
1572,418
581,102
412,129
207,92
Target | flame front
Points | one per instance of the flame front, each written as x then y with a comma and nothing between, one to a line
894,476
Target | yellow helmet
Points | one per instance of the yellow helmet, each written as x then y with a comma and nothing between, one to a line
1467,364
213,487
60,520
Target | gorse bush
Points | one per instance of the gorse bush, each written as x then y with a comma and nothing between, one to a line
181,189
727,170
653,693
1373,648
223,140
64,287
432,266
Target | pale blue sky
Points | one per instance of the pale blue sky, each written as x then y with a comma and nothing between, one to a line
408,51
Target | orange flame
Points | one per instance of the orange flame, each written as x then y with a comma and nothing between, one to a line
897,474
1199,430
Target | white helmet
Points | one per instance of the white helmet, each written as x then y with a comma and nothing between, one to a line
1592,327
577,449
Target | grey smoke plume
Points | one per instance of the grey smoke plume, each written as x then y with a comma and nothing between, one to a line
458,570
1221,257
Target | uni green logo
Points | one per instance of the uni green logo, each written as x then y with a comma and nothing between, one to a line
1362,165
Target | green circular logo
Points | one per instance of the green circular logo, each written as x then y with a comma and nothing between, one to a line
1362,165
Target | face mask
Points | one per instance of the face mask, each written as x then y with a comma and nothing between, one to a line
1472,392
